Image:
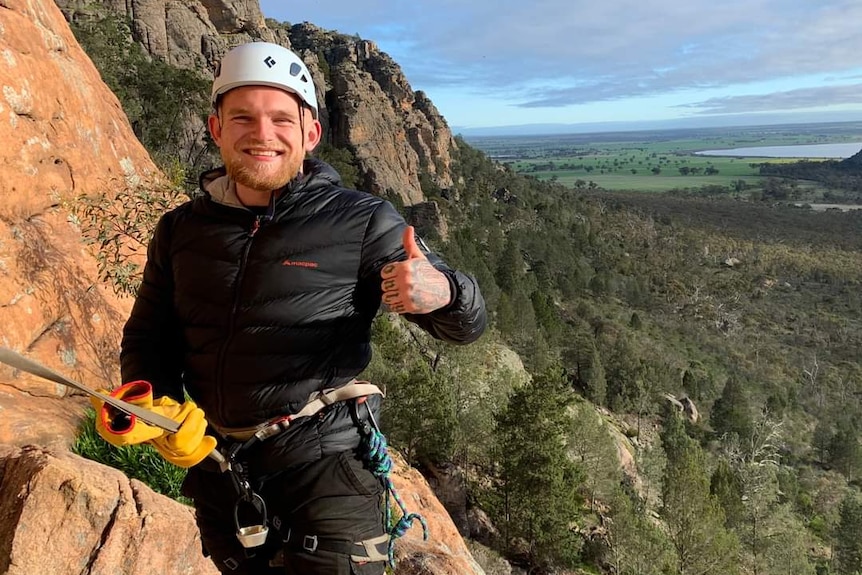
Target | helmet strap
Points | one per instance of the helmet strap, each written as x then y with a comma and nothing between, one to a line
302,128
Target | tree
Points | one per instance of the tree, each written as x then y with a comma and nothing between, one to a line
694,518
482,381
419,411
547,316
726,486
170,123
510,267
585,365
624,368
594,451
637,545
536,497
732,412
848,538
344,162
769,532
845,451
822,439
515,319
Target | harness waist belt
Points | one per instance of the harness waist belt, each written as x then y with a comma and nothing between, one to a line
360,552
317,401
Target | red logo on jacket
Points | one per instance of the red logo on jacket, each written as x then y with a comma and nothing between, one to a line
299,264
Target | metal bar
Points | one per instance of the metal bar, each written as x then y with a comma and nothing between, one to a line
18,361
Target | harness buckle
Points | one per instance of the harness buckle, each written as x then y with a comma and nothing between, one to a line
274,427
309,543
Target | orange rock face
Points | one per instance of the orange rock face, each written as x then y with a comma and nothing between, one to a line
444,551
62,131
62,134
62,514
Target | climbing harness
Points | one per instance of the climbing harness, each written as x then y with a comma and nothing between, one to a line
374,451
367,551
316,403
254,535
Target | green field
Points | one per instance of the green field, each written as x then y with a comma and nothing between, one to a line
655,160
646,170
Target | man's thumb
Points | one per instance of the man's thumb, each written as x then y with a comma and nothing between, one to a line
410,245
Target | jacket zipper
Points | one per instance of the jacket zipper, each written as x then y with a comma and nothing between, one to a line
222,357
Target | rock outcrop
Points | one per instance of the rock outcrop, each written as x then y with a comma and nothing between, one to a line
445,551
185,34
395,133
62,134
61,514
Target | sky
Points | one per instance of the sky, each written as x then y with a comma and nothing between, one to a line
613,63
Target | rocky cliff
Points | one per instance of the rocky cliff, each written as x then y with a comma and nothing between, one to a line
395,133
186,34
63,135
367,104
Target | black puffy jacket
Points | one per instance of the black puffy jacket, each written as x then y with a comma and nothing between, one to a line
251,313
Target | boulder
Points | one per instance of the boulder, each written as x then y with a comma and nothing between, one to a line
61,514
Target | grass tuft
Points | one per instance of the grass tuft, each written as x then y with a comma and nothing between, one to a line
141,462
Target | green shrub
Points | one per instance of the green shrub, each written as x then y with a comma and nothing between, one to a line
819,526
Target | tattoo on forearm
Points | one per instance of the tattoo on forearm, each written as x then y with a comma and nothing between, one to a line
432,288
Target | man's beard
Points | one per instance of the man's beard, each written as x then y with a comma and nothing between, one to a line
262,180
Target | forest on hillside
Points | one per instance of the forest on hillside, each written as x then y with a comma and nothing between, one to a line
842,175
612,302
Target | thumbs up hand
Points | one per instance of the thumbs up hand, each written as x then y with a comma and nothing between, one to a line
414,285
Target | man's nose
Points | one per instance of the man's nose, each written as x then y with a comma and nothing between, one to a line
263,129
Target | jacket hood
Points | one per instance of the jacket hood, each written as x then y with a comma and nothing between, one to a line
221,188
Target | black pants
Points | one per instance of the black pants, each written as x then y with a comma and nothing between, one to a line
334,499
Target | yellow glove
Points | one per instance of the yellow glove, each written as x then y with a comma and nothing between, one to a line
189,445
119,428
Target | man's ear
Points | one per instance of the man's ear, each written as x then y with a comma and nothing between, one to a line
214,125
313,133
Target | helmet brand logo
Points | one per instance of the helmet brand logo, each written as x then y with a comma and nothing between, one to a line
269,61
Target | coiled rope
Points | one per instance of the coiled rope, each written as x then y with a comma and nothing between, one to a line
380,464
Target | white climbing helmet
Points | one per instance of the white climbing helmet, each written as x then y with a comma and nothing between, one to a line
264,64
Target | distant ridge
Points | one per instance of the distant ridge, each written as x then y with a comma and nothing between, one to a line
741,120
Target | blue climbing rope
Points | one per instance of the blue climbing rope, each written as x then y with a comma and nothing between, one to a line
380,464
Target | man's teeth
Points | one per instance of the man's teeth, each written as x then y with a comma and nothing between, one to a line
263,152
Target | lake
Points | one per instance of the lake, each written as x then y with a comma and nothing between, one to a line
837,151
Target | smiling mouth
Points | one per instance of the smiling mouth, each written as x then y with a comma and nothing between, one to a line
264,153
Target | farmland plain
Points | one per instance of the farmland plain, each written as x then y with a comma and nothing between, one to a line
660,160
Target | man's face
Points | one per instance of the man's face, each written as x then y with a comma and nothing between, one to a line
262,140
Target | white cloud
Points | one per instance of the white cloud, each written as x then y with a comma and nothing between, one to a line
799,99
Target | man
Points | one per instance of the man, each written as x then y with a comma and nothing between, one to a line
257,297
